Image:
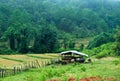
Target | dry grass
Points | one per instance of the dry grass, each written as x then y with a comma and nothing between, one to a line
45,55
19,57
11,60
8,63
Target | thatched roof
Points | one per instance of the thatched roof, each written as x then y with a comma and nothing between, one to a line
73,52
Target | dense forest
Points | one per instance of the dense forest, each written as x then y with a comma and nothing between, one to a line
42,26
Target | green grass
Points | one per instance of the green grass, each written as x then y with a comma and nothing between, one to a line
18,60
103,68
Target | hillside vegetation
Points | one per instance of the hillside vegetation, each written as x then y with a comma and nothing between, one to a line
41,26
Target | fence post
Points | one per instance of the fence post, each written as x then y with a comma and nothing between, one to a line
0,73
14,72
3,73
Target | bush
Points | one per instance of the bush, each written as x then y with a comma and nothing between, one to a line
102,54
101,39
8,51
101,51
116,62
83,69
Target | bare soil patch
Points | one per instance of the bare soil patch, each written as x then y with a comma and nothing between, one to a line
98,79
109,58
88,79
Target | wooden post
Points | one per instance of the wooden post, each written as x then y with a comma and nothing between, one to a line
14,70
2,73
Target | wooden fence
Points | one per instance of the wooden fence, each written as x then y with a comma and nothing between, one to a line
4,72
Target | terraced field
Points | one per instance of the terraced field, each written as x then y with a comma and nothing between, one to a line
11,60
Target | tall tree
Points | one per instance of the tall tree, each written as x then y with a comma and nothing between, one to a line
46,40
11,37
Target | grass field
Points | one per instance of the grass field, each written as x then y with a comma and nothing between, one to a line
108,67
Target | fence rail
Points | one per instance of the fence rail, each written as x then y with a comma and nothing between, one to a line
5,72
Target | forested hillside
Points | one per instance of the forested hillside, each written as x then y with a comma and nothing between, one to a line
45,25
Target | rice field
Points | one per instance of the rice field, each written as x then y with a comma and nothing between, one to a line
11,60
8,63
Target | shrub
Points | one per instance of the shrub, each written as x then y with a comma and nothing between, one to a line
8,51
116,62
101,54
83,69
100,39
101,51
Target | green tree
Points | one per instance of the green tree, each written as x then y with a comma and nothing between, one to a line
1,32
11,37
71,44
117,39
19,31
46,40
67,41
26,35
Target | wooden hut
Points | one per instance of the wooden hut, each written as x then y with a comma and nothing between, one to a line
72,56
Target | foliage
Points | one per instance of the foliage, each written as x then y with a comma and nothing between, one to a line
83,69
102,54
6,51
46,41
116,62
117,44
81,47
101,51
100,39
